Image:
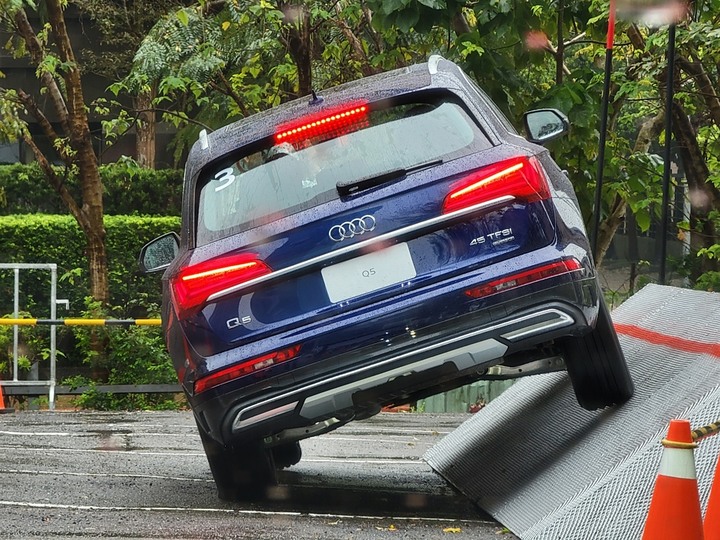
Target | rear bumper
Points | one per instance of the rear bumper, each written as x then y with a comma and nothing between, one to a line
320,399
462,349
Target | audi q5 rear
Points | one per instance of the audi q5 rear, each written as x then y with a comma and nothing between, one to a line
368,246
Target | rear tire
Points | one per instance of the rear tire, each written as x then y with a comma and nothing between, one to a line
241,472
596,365
287,455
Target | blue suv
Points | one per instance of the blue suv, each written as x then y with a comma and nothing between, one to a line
369,246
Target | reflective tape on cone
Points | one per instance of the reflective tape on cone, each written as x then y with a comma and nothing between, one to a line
678,463
675,512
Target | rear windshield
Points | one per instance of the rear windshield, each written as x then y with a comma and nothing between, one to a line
297,170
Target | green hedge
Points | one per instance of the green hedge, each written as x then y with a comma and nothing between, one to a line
58,239
128,190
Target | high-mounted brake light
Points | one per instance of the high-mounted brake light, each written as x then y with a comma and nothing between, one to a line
327,125
245,368
522,177
194,284
556,268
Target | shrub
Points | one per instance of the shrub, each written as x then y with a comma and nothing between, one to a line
58,239
133,355
30,340
128,190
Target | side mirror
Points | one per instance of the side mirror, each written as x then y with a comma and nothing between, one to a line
545,125
157,254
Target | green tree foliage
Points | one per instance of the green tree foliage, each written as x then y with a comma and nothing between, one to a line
39,35
221,61
120,28
236,58
550,54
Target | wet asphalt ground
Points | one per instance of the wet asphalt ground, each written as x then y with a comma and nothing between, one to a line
144,475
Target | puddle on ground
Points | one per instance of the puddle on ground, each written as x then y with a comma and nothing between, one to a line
113,440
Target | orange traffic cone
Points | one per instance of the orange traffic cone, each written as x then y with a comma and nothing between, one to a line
2,404
675,506
712,513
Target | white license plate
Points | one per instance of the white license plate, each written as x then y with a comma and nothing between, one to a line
368,273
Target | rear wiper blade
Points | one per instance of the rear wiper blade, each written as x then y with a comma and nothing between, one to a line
350,187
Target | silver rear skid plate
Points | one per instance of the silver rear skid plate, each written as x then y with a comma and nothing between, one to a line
298,434
478,353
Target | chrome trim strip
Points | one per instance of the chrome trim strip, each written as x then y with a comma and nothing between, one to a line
562,320
360,246
400,357
238,423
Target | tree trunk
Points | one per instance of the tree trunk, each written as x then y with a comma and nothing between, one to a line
560,52
460,24
355,44
704,84
84,156
98,267
145,130
298,42
608,227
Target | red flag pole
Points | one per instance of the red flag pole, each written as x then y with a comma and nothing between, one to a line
611,26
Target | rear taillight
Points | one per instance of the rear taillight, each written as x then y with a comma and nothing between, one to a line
246,368
521,177
194,284
556,268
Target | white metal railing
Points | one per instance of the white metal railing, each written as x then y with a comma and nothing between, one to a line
50,383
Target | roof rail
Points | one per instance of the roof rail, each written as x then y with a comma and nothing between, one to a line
433,62
203,138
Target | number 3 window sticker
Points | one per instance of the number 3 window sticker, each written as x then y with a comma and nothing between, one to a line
227,176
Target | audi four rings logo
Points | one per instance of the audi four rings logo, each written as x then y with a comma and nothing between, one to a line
350,228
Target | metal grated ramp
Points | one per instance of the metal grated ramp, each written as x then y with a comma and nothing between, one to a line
547,469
